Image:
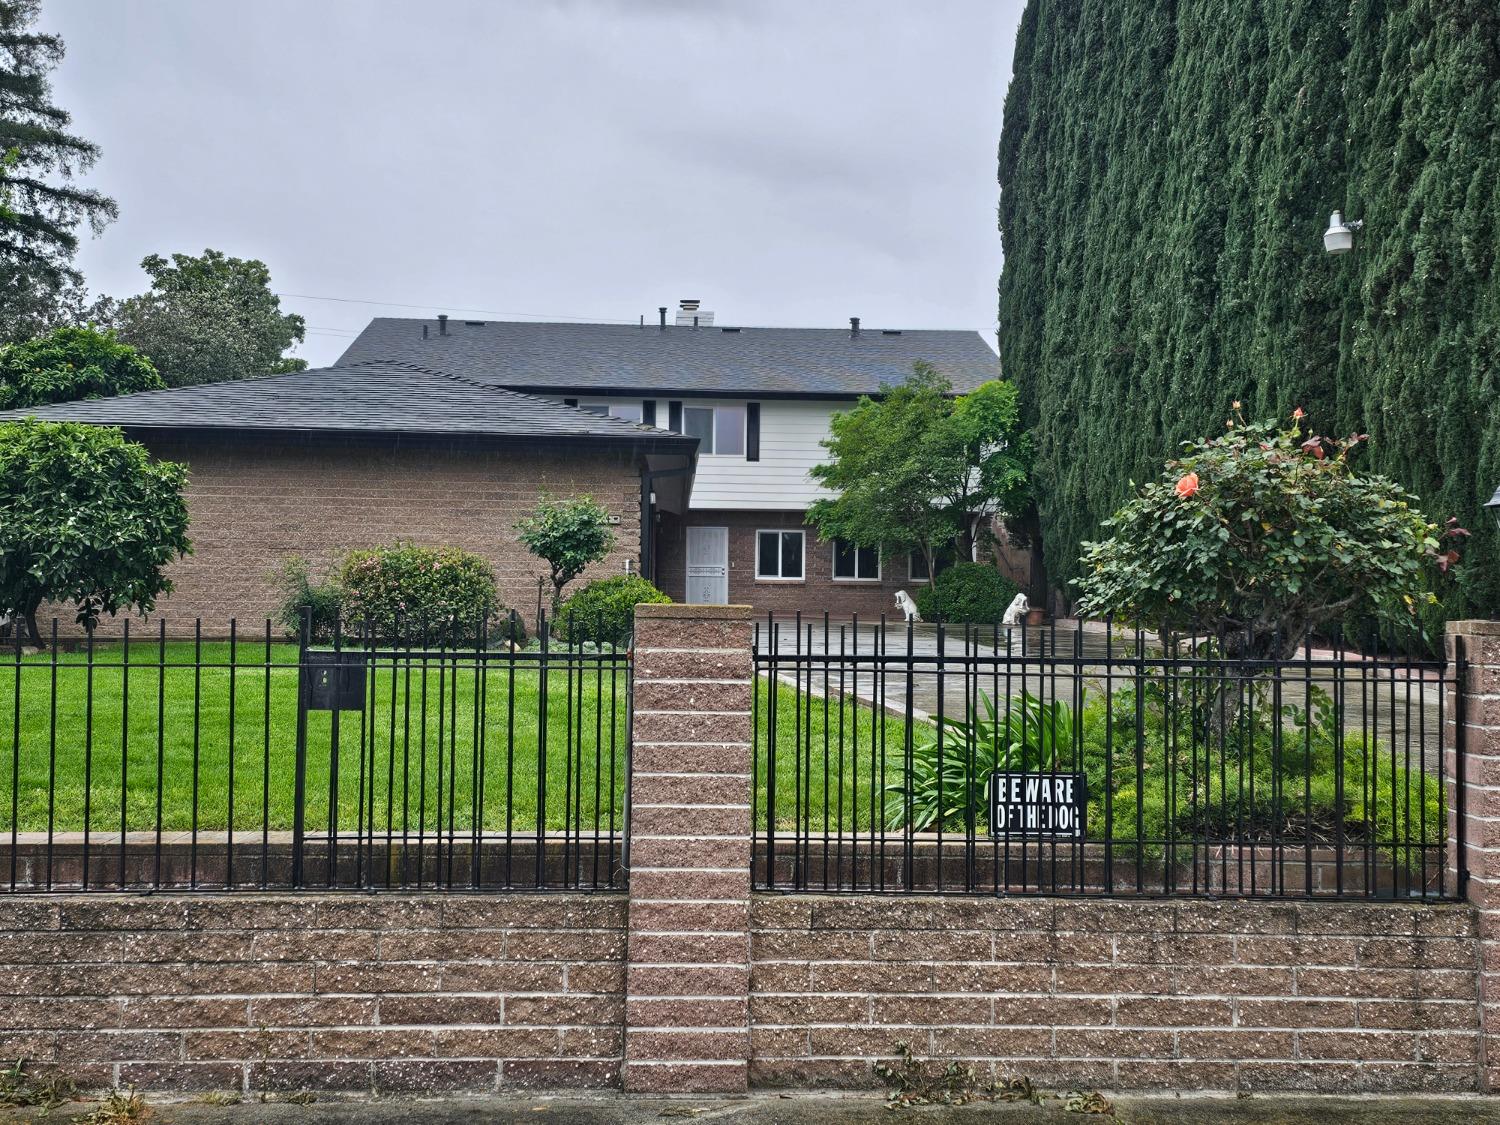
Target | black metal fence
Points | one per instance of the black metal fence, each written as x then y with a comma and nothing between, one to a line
239,759
1091,761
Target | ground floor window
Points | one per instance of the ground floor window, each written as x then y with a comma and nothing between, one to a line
855,564
778,554
916,565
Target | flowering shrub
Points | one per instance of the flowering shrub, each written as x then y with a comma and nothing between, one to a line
442,592
1263,534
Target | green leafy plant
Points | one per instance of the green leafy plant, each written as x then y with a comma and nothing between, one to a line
442,592
568,535
71,363
300,593
967,592
949,777
604,611
916,469
1261,535
86,517
24,1085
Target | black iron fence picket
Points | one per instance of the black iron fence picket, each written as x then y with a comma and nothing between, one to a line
431,757
1090,760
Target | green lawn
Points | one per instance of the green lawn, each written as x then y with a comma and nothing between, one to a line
828,757
431,733
413,763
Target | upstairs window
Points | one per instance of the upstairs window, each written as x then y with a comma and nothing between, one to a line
629,411
778,554
720,430
855,564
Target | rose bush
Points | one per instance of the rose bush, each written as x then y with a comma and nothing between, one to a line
1262,534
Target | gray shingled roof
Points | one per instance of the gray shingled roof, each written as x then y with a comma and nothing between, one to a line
605,357
372,397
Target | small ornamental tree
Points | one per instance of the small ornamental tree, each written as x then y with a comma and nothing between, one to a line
567,535
71,363
1258,536
917,469
85,517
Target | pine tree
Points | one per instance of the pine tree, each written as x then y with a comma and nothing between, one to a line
41,207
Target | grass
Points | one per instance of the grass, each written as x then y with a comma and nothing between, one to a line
165,729
833,758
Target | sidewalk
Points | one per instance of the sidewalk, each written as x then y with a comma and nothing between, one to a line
1263,1109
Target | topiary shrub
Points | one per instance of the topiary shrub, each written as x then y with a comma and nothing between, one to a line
405,590
299,592
604,611
967,592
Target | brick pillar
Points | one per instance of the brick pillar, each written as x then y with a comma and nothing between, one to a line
687,1026
1477,712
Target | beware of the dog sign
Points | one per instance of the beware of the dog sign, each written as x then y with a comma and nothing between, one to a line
1038,804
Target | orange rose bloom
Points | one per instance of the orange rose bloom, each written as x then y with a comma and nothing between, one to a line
1188,485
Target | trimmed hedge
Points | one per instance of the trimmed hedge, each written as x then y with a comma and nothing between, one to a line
604,611
967,592
442,591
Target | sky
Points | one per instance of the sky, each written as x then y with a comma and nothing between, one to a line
788,162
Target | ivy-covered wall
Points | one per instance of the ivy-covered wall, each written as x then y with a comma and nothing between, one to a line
1167,170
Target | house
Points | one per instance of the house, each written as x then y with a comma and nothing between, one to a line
369,452
758,400
698,439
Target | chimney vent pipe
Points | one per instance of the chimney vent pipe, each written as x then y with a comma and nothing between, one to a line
442,324
854,327
661,312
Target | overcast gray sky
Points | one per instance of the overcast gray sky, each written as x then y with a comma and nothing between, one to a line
790,162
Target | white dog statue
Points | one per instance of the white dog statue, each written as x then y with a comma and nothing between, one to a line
907,607
1015,613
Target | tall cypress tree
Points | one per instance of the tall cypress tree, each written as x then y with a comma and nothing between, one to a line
1166,170
41,205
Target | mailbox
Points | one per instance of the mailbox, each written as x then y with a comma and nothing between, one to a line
333,681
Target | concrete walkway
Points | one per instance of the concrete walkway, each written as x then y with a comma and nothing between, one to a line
1282,1109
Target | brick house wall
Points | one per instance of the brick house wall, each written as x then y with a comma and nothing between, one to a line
252,505
816,592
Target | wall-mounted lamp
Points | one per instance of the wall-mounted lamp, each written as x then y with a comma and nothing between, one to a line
1339,237
1493,507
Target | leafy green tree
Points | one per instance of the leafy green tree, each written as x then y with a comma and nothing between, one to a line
41,205
918,470
71,363
85,517
208,319
1166,172
1260,535
567,535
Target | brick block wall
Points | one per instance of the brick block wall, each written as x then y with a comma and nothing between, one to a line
1238,995
687,1017
266,993
254,505
1472,738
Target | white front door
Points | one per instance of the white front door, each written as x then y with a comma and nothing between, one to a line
708,566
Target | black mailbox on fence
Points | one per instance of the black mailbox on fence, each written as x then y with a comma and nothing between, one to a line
333,681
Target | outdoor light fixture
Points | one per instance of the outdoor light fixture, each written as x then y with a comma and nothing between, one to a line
1339,237
1493,507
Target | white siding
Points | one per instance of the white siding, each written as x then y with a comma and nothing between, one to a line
790,433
